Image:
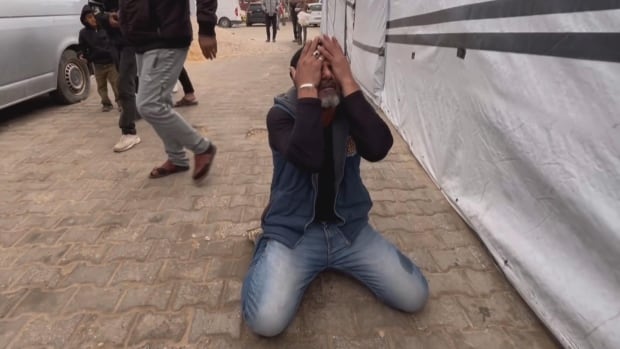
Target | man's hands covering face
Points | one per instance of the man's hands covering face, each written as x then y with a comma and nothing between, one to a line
334,55
309,66
324,52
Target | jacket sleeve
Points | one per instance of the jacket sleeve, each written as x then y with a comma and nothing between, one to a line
205,11
83,46
299,140
371,134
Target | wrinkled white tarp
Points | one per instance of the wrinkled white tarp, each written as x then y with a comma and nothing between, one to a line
526,147
368,46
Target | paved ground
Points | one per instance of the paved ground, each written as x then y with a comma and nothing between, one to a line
93,254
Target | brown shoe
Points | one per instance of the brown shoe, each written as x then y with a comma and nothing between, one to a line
167,169
203,161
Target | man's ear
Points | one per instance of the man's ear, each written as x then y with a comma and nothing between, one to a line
291,73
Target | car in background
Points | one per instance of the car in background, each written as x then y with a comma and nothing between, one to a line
255,14
40,51
228,13
315,10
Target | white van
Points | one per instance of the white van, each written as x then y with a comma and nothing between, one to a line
39,43
228,13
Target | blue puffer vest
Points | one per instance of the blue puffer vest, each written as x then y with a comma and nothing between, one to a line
294,191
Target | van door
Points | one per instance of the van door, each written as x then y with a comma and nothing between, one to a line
33,35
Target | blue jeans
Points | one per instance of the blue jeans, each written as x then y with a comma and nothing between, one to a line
278,276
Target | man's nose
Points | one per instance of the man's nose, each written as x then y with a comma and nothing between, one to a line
326,73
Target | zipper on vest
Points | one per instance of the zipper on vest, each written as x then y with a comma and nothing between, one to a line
315,194
337,191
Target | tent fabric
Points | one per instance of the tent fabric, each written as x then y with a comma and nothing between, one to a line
522,139
361,26
368,44
333,19
349,26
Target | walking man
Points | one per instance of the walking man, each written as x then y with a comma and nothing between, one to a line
271,18
162,32
293,14
106,12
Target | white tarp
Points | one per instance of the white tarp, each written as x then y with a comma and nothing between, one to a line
361,26
333,19
523,139
368,46
350,25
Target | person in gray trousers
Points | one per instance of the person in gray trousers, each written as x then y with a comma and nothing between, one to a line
162,40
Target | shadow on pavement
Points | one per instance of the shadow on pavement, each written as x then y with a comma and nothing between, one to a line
26,108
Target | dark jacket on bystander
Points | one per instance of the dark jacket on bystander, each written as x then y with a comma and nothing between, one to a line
150,25
94,43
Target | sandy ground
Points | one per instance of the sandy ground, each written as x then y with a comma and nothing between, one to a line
248,41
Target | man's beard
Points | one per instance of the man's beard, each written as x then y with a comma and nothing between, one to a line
329,93
330,101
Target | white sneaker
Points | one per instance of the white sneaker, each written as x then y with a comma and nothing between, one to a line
126,142
175,89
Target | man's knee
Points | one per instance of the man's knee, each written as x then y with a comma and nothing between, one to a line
417,300
414,291
263,320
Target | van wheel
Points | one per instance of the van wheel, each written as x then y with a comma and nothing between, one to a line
73,79
225,22
249,24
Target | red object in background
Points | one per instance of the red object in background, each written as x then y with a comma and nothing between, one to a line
244,4
236,11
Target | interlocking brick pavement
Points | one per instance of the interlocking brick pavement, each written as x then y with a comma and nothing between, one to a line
93,254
